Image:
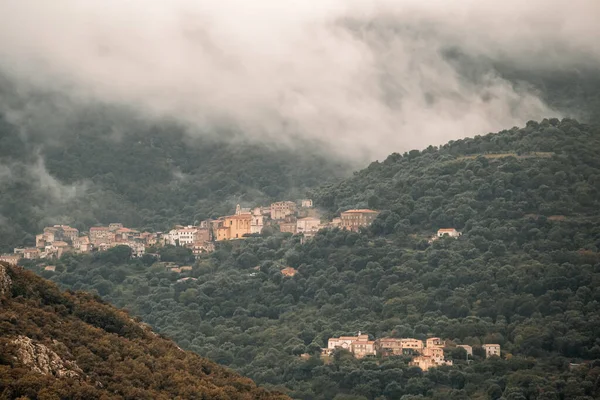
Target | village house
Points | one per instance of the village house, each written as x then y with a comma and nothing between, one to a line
354,219
12,259
306,203
451,232
234,227
435,342
137,249
115,226
467,348
282,209
126,235
181,236
242,210
491,350
359,345
68,234
289,227
393,346
50,268
432,355
82,244
150,239
28,253
362,348
258,221
202,248
101,234
56,233
288,271
58,248
308,225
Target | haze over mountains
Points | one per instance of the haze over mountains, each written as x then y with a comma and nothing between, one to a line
405,74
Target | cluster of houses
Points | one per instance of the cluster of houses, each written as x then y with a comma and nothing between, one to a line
288,216
426,355
56,240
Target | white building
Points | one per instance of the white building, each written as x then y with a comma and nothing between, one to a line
448,232
306,203
182,236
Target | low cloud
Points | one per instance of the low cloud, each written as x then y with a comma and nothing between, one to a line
364,77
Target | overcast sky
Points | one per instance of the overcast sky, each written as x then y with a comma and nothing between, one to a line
366,77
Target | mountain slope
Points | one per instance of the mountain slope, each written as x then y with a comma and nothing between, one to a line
524,274
548,168
57,345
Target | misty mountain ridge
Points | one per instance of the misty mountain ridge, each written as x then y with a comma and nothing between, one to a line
521,275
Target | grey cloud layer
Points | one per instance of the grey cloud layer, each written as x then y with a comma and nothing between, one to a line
367,78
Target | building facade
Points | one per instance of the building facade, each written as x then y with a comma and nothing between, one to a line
448,232
282,209
235,227
354,219
101,234
308,225
491,350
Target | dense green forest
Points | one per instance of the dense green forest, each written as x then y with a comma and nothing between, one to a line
70,345
99,165
524,274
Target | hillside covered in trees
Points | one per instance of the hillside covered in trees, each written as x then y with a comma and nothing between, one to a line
87,164
524,274
69,345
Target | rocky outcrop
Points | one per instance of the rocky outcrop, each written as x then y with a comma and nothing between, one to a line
41,359
5,282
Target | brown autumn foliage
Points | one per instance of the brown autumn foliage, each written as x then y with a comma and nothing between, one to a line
117,357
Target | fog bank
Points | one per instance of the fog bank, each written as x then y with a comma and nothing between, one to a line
365,77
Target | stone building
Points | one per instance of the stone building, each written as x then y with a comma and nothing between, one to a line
354,219
491,350
282,209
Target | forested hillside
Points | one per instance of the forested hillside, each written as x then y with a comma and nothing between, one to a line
524,274
95,164
69,345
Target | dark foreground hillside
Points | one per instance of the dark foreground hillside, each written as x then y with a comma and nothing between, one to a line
57,345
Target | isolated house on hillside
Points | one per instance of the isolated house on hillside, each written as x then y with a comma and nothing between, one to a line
448,232
491,350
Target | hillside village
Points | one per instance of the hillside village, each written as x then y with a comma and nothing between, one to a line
286,216
426,355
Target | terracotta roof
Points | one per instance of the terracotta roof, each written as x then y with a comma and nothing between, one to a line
98,228
361,211
447,230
